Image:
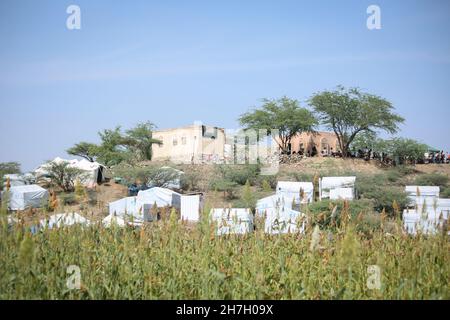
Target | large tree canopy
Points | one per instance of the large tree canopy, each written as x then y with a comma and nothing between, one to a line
86,150
349,112
140,140
283,114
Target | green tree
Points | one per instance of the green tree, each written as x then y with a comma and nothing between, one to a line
86,150
283,114
349,112
61,174
140,140
248,196
112,150
406,150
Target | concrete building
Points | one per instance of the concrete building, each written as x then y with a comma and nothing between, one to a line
319,143
194,144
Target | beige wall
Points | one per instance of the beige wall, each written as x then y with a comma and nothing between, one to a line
325,142
188,145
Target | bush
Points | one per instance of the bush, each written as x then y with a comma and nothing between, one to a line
383,195
239,174
68,199
432,179
325,208
445,193
267,183
226,186
190,181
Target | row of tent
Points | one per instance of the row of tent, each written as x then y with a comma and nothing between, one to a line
290,193
427,212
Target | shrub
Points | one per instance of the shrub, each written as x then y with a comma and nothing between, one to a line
324,210
68,199
225,186
432,179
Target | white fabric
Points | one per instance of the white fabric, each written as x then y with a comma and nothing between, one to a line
131,207
64,219
329,183
15,180
341,194
232,221
190,207
161,196
419,194
283,220
113,220
91,170
274,201
28,196
291,190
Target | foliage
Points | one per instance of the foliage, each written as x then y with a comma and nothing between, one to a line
8,168
406,150
283,114
140,140
63,175
69,199
248,196
169,260
239,174
432,179
86,150
383,195
155,175
349,112
224,185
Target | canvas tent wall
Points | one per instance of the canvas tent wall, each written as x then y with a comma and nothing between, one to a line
131,207
64,219
274,201
342,194
283,220
292,190
415,222
232,221
419,194
94,172
326,184
190,207
163,197
15,180
28,196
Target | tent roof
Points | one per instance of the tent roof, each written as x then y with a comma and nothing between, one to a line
295,186
27,188
424,190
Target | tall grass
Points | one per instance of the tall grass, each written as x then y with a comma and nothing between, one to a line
171,260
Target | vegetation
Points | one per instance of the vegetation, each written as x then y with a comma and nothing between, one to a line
168,260
64,176
86,150
283,114
8,168
349,112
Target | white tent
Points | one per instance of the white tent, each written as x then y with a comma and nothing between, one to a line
342,194
161,196
94,172
190,207
273,201
232,221
292,190
428,216
28,196
113,220
283,220
15,180
64,219
326,184
132,207
139,207
419,194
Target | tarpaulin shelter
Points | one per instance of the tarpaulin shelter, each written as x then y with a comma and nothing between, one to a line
64,220
419,194
427,216
190,207
94,172
283,220
28,196
274,201
232,220
342,194
15,180
292,190
326,184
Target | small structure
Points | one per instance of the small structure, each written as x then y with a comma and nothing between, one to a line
274,201
420,194
113,220
190,207
283,220
337,187
295,190
232,221
427,217
94,172
27,196
15,180
64,220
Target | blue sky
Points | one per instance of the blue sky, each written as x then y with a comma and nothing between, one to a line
175,62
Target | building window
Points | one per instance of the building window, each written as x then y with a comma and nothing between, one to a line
183,140
175,141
